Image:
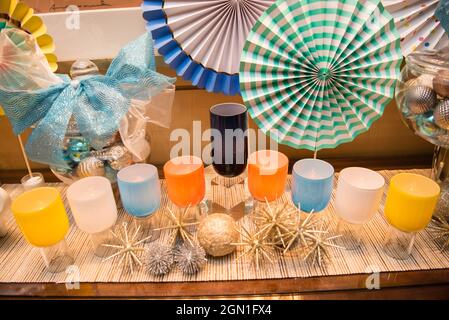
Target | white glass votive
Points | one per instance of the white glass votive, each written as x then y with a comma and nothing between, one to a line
5,203
35,180
359,193
93,206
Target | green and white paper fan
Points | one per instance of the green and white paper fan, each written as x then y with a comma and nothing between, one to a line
317,73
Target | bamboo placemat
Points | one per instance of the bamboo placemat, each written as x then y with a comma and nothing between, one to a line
21,263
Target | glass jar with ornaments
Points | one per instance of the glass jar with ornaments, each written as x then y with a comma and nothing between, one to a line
129,145
422,97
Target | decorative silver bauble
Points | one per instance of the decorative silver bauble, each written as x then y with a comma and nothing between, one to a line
423,80
118,156
89,167
113,153
123,162
420,99
441,114
441,83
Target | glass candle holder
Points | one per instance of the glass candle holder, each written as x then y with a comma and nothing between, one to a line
229,122
312,184
140,191
35,180
41,216
186,184
94,210
409,206
358,197
267,175
5,203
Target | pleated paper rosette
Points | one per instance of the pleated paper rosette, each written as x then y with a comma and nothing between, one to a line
17,14
417,24
14,14
203,40
316,73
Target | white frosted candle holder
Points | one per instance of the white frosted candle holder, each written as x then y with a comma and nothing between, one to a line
93,206
359,193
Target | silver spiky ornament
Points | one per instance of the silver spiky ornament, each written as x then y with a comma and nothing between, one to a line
439,227
420,99
190,259
441,115
158,258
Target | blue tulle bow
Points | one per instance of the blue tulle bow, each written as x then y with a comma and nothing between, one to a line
97,103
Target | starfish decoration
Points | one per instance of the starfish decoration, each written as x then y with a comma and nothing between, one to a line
305,231
128,247
318,251
257,247
440,229
277,222
180,225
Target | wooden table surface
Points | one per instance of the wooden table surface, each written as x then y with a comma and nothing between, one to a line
393,285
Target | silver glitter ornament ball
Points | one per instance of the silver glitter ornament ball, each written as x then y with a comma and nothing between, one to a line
441,115
158,258
421,99
190,258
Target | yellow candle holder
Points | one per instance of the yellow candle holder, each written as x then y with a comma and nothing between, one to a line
42,218
410,203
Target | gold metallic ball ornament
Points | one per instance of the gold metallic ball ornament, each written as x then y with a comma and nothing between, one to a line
216,233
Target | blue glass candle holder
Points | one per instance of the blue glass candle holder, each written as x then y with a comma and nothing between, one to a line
140,192
312,184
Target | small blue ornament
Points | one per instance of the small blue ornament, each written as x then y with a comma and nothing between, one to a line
77,149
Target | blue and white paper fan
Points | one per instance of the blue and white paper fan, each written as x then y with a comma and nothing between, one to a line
203,40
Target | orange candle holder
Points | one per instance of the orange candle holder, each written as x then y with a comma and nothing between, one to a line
185,180
267,175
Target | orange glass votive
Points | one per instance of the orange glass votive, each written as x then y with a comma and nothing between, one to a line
267,174
186,185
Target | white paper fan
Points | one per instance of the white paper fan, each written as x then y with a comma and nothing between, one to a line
203,40
417,24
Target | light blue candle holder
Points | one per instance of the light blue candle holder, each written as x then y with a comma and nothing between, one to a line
140,189
312,184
